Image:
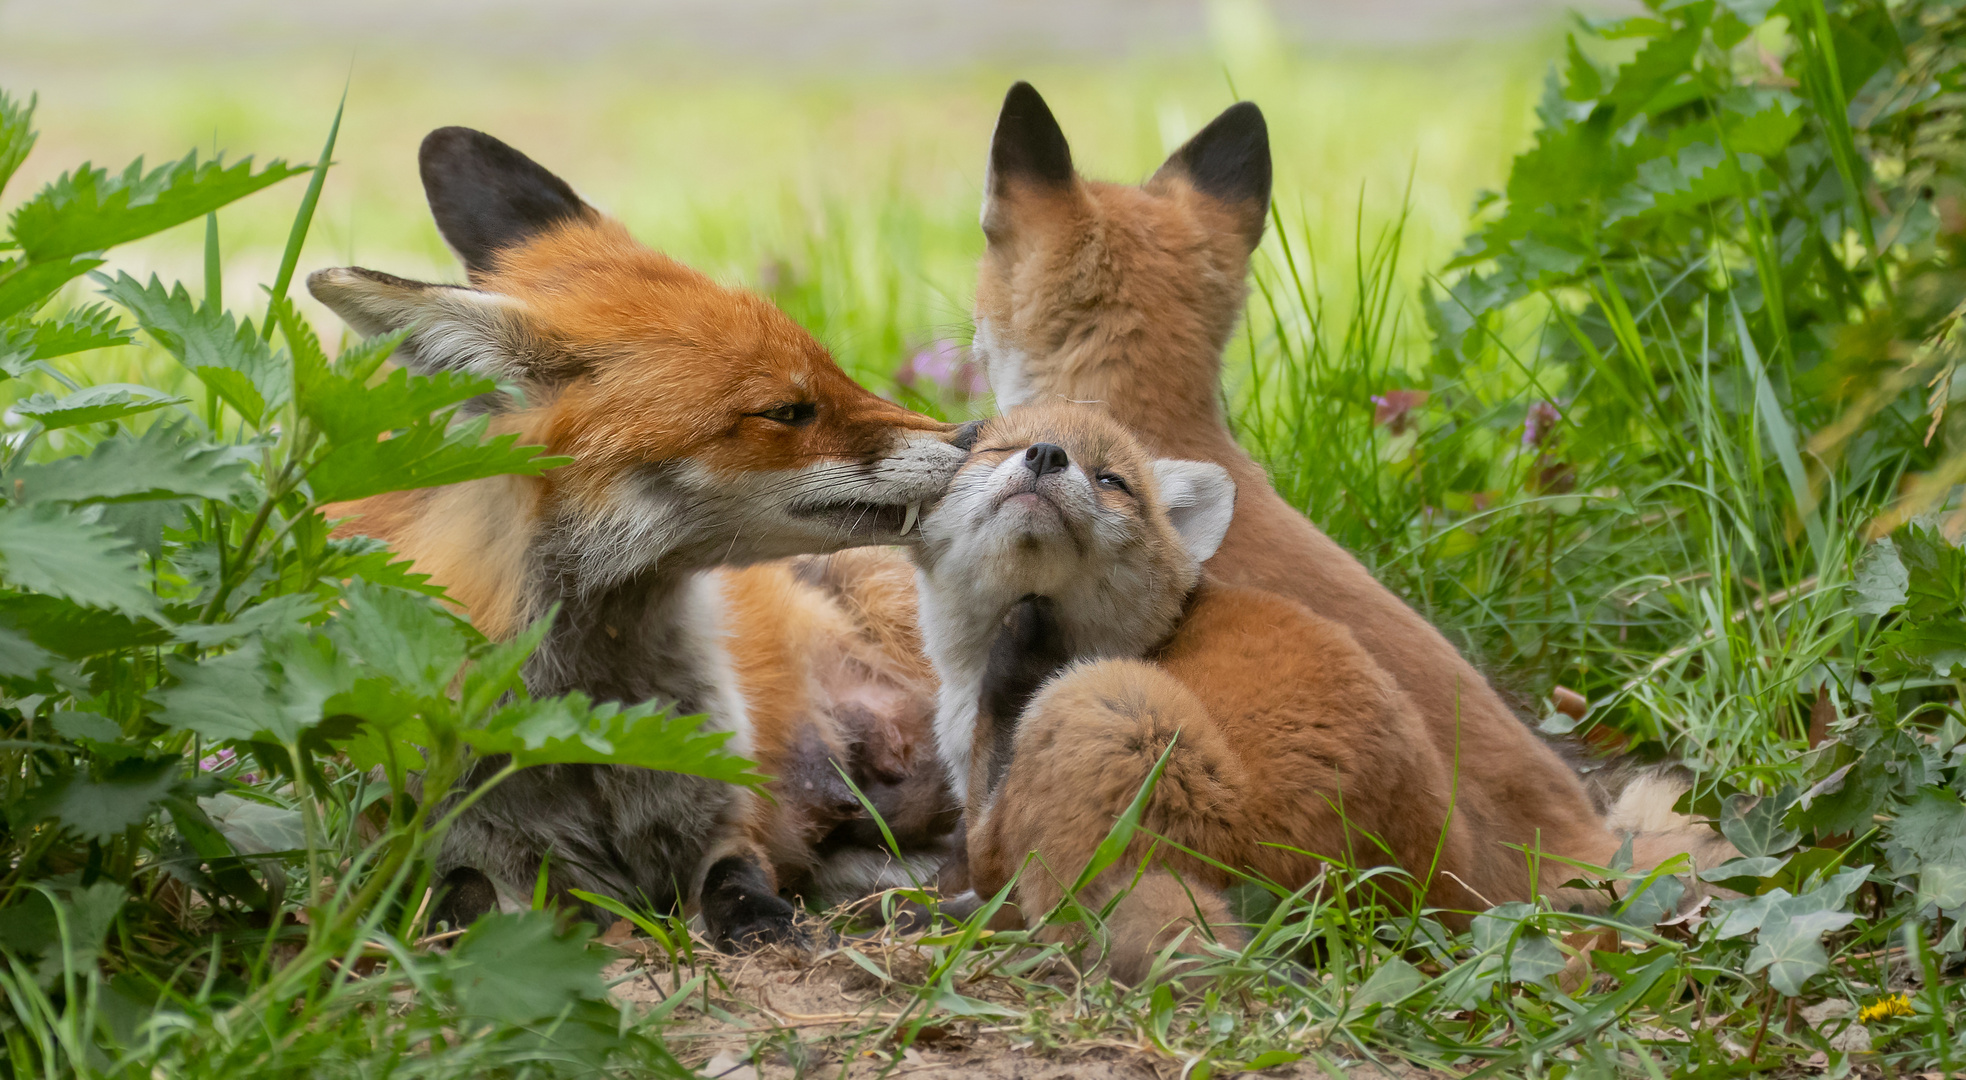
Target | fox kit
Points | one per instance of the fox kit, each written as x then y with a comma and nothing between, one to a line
1126,296
705,428
1064,607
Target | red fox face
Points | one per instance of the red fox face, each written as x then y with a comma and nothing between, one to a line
1060,501
703,423
1091,291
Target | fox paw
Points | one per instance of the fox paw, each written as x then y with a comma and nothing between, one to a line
740,910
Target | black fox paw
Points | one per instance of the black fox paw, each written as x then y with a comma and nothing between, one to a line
740,910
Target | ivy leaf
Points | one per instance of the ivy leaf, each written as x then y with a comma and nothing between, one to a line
161,463
517,968
1526,953
1928,838
66,553
230,358
1789,940
1754,823
101,809
572,729
1393,982
91,210
92,404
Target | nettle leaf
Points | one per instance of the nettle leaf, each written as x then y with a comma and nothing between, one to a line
1657,66
69,939
70,630
572,729
1928,838
269,690
92,404
517,968
349,411
92,210
67,553
20,657
1755,823
25,286
81,329
128,792
17,134
426,455
1881,580
267,617
409,639
230,358
161,463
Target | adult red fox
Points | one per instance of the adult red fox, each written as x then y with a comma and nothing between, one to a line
1063,604
705,428
1126,296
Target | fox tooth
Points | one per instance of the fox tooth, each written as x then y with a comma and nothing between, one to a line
908,523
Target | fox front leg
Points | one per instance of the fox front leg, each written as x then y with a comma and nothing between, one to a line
1029,649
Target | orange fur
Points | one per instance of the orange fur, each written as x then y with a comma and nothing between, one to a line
1126,296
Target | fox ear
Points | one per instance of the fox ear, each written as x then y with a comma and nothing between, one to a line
1028,151
1200,500
1229,161
453,328
487,196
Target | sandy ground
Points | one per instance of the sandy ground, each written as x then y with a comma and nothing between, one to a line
780,1015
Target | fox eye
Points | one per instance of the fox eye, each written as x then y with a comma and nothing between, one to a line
1114,481
795,415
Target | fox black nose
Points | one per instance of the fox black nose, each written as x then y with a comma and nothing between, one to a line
1046,457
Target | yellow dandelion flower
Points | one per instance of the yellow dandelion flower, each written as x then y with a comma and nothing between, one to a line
1884,1008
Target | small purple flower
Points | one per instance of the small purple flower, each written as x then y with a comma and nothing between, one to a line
1540,425
945,366
1393,409
216,760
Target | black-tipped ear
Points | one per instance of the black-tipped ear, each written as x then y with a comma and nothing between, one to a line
487,196
964,437
1230,161
1028,146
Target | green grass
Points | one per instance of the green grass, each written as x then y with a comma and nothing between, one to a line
1679,544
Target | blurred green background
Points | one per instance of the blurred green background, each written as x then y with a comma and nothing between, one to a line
830,153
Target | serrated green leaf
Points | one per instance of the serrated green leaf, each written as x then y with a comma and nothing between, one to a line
92,404
518,968
17,134
101,809
23,343
70,630
268,617
406,638
25,286
230,358
92,210
425,456
65,553
20,657
161,463
347,410
80,726
572,729
265,691
60,927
